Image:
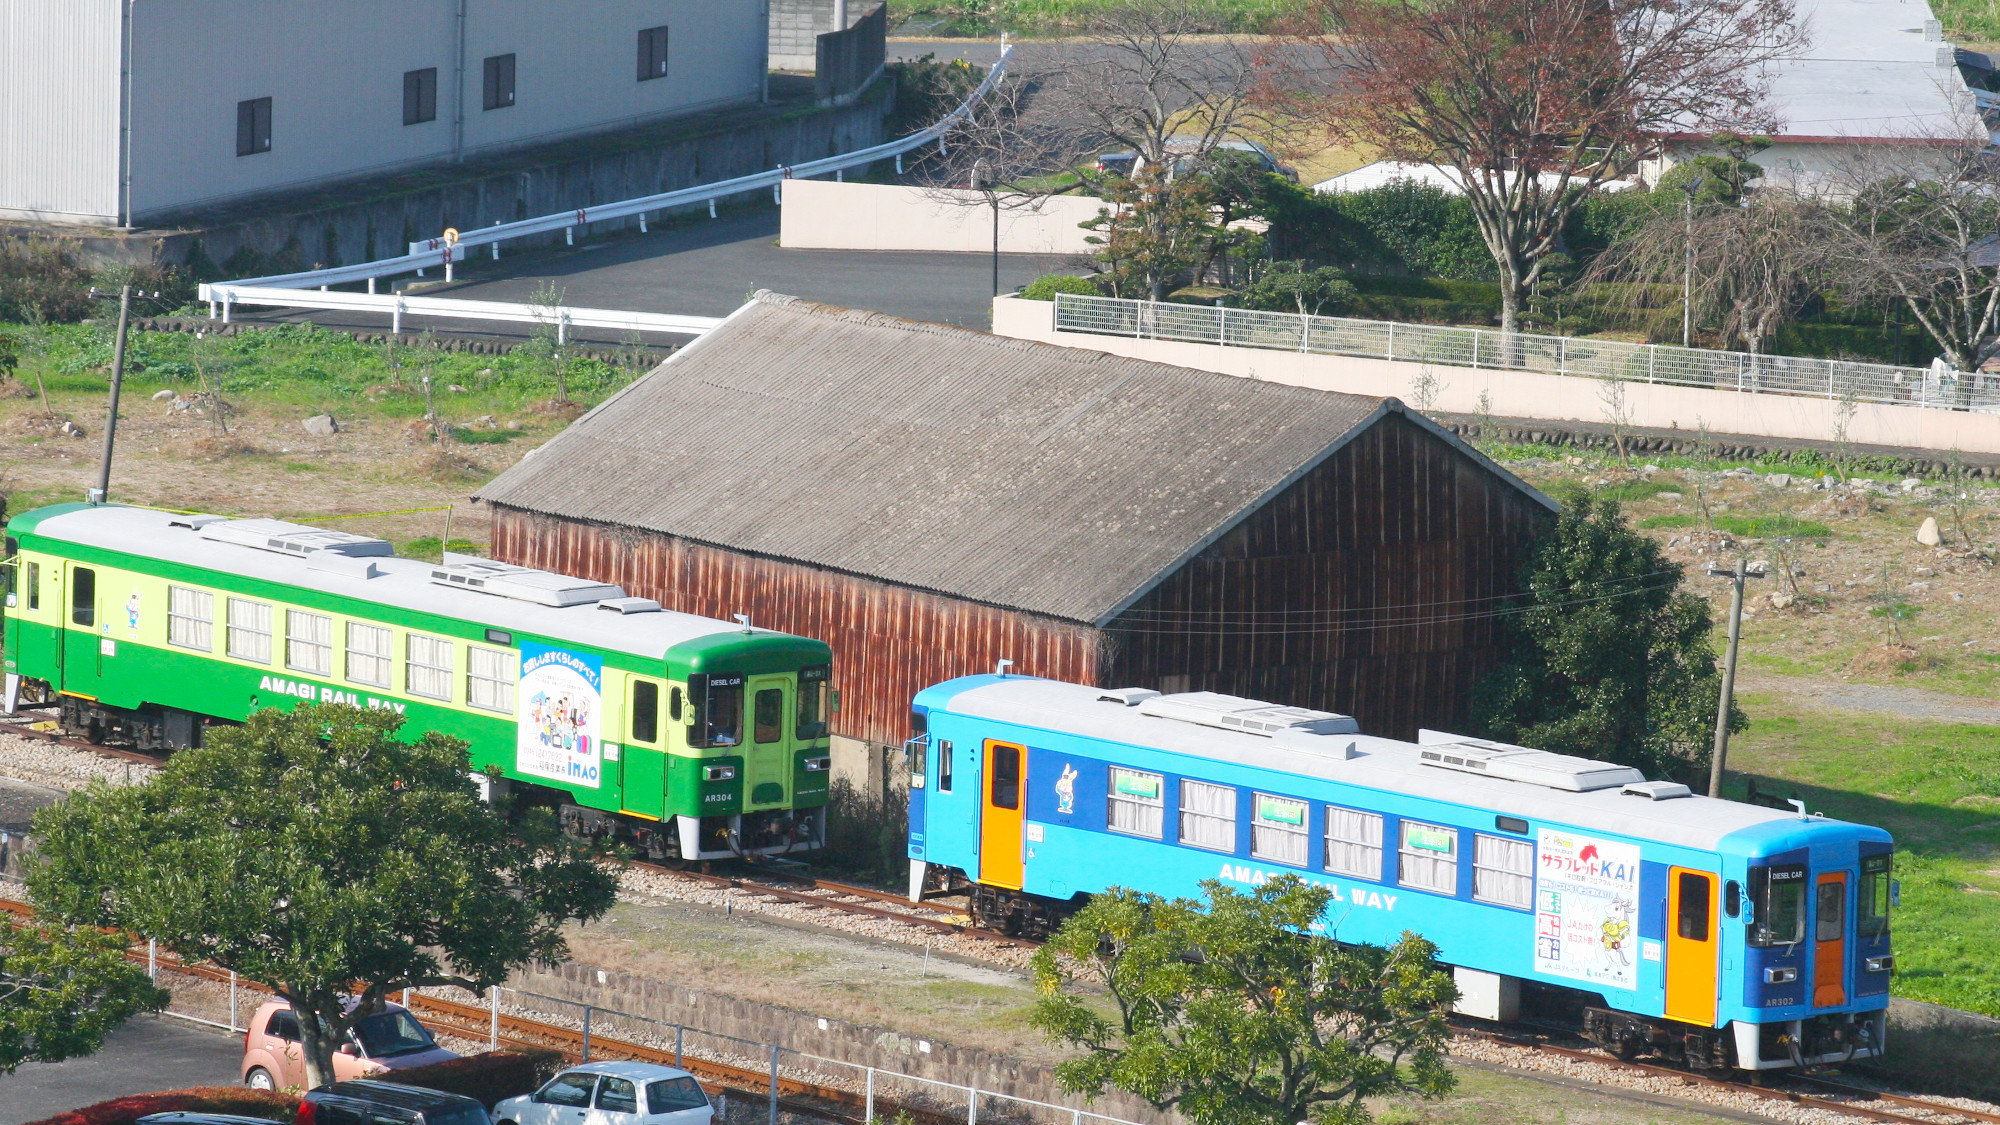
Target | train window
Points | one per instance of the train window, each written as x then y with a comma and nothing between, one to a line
1428,858
1511,824
1003,767
645,724
1503,871
309,642
1830,913
83,596
770,716
249,632
1354,842
368,654
1278,831
490,676
1135,803
1873,897
1691,922
813,687
1732,898
427,666
190,618
34,585
1777,905
718,709
1208,815
944,767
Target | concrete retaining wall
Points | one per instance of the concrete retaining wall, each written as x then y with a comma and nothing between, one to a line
824,215
817,1035
796,26
1529,394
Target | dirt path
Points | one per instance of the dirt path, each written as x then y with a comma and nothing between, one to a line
1886,699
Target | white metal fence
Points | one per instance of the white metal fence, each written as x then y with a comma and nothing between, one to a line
562,318
1554,355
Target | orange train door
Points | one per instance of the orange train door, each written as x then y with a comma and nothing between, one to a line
1001,814
1691,946
1830,941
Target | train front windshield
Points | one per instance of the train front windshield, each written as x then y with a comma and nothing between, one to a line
1778,905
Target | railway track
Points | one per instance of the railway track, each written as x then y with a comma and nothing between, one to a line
1935,1113
22,724
906,912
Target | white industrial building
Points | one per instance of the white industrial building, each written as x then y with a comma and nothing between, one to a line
116,112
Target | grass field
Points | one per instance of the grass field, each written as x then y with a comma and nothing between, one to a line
1936,787
1061,17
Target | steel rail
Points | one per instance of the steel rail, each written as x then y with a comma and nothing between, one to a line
14,725
940,924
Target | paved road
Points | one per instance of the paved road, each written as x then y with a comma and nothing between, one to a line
148,1054
709,267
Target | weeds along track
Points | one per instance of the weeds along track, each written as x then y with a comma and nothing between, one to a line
823,893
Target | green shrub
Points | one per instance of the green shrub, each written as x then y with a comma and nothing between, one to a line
1289,287
40,281
1046,287
866,834
488,1077
266,1104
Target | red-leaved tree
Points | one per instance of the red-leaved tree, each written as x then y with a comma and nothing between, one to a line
1534,103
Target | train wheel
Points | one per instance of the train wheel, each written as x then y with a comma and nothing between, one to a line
1628,1048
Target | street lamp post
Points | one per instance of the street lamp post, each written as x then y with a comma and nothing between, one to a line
1721,751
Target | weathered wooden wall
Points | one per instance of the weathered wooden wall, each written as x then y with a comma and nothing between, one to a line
889,642
1359,589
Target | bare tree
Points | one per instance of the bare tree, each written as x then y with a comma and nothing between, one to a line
1533,103
1921,225
1750,269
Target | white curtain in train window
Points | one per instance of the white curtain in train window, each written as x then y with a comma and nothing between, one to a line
1428,858
1208,815
250,630
1503,871
1278,830
309,642
190,618
1136,804
1353,842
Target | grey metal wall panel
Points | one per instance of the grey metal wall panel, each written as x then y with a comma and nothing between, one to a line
59,88
334,69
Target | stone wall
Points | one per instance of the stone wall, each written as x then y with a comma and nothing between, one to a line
827,1037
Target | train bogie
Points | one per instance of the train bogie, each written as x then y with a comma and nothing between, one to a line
1712,932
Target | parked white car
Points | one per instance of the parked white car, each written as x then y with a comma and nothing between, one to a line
611,1093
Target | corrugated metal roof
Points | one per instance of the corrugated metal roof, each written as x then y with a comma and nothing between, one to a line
1054,480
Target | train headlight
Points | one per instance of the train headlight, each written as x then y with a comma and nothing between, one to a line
1881,964
1780,976
818,765
718,773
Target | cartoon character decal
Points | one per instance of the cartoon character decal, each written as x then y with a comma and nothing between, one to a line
1616,931
1066,790
132,611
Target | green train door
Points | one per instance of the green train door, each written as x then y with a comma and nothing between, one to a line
82,651
767,758
642,766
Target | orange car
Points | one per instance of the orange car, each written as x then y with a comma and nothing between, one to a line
391,1039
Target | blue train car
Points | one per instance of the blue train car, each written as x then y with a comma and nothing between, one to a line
1714,932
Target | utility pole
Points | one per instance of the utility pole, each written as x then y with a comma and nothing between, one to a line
103,488
1721,751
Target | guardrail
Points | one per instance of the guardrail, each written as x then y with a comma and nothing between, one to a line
437,252
562,317
1554,355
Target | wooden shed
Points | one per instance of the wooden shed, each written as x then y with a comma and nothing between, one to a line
930,500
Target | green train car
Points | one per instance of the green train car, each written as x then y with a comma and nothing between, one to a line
686,737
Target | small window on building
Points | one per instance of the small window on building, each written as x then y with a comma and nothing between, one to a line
652,53
309,642
82,596
253,126
1428,858
1208,816
427,663
499,82
1136,803
1503,871
368,654
645,724
1278,832
420,96
1354,842
944,767
489,678
250,630
190,618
